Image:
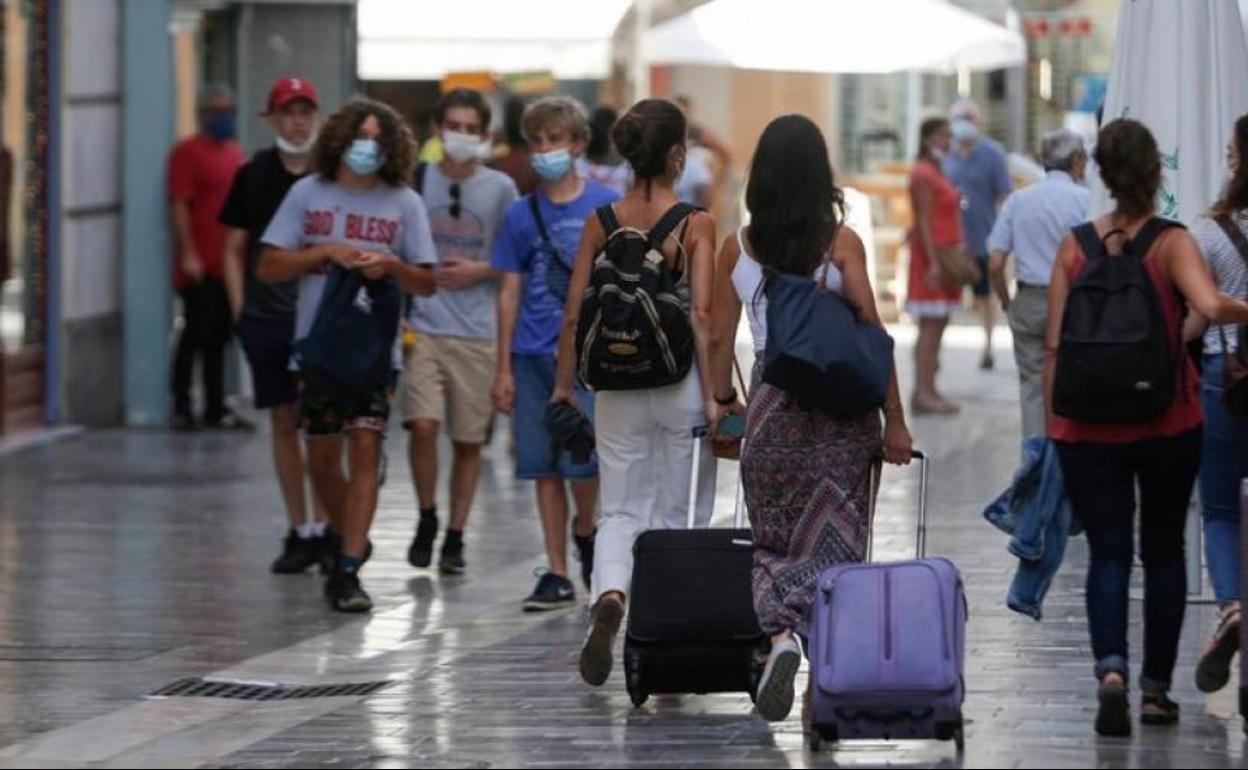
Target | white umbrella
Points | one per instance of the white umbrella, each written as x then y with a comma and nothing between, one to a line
829,36
1181,68
406,40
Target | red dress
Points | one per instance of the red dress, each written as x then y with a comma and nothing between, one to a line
926,298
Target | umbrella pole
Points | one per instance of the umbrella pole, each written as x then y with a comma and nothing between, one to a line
914,112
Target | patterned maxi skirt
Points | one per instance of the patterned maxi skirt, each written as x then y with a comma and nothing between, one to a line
805,476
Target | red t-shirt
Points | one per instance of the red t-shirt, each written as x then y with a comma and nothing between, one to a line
1184,413
201,170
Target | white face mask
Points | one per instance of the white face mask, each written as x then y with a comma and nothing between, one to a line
290,148
462,148
937,153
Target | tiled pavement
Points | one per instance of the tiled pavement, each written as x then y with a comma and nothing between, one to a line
129,560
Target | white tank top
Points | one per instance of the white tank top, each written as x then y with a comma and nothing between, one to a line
747,277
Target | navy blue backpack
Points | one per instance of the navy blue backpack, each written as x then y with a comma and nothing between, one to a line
820,352
348,351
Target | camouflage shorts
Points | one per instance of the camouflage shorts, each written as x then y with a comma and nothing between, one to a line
324,415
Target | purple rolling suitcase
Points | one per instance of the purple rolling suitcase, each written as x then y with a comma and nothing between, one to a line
887,643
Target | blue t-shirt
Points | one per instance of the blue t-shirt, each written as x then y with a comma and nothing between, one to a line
518,248
983,177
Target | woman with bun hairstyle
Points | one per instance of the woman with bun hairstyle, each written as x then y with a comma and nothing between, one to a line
1104,462
645,437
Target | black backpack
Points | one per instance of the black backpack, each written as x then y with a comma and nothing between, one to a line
634,330
348,352
1116,362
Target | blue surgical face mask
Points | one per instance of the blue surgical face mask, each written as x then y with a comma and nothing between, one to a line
552,166
963,130
221,126
364,157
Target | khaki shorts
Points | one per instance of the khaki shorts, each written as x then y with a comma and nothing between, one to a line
450,379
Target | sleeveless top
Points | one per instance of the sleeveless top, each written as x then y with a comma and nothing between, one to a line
747,279
1185,412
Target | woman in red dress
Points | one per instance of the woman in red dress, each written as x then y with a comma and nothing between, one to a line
937,207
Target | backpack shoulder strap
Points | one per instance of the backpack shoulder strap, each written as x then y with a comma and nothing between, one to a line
668,222
1234,233
607,218
418,182
1148,235
1089,242
536,210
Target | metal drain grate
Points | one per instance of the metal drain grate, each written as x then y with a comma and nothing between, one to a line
218,688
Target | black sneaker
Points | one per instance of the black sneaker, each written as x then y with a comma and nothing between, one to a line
452,560
298,553
327,546
183,423
345,594
585,552
551,593
420,552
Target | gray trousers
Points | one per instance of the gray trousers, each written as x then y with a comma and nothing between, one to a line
1029,316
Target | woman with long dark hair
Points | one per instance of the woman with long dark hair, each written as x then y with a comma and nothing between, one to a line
1103,463
937,207
805,473
1224,455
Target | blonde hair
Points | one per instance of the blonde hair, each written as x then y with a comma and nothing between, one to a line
555,111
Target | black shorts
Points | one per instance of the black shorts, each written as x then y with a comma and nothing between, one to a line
981,289
268,344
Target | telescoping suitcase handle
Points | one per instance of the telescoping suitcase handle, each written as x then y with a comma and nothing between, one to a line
920,545
700,435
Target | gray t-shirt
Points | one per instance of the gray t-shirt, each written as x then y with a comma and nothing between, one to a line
483,201
385,219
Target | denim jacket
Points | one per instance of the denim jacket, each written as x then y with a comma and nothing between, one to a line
1036,512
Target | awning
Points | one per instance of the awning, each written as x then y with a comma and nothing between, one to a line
861,36
406,40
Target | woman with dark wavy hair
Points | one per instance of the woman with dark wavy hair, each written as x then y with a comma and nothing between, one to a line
1103,462
1224,456
357,212
805,473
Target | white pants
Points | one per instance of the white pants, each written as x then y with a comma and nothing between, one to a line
645,458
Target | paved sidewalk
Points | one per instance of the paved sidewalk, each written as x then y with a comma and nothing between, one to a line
129,560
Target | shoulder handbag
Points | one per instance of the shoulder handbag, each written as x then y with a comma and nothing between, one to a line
1235,368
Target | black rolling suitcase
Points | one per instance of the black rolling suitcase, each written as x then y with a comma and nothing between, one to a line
691,622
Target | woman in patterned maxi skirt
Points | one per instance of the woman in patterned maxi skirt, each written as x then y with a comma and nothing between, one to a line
805,473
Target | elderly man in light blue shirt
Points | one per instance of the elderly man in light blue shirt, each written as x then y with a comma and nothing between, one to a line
1031,225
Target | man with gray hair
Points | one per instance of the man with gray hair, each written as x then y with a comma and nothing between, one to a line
201,170
1031,226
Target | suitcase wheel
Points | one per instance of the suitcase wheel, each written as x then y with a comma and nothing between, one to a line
817,737
639,698
952,731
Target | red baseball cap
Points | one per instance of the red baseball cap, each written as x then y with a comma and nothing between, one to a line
288,90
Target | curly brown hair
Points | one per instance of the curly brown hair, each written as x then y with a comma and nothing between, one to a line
1130,165
398,144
